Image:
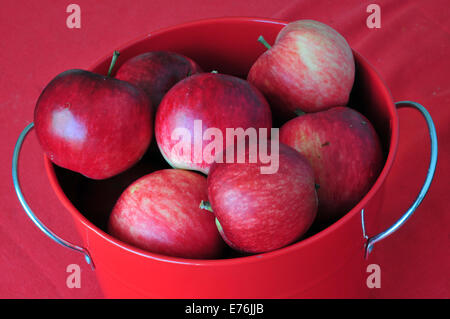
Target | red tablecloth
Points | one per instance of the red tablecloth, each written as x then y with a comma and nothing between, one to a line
411,51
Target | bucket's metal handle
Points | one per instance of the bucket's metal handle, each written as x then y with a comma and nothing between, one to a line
27,208
431,169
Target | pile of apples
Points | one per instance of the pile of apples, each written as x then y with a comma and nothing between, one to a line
329,154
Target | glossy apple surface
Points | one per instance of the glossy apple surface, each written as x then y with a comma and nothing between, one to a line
345,152
309,68
261,212
93,124
160,213
156,72
219,101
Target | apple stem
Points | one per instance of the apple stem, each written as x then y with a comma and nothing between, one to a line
113,62
316,186
219,227
206,206
263,41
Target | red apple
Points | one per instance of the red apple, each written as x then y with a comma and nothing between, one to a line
196,115
309,68
344,151
93,124
156,72
160,213
261,212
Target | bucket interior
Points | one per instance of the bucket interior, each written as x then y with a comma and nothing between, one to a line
215,47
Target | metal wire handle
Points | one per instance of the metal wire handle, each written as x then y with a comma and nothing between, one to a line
370,240
431,169
27,208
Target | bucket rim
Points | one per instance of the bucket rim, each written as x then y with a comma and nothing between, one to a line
391,153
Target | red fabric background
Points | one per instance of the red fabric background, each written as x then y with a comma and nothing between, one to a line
410,51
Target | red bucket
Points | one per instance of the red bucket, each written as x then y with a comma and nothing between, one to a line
329,263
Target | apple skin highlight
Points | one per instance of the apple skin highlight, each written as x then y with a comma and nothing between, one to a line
219,101
92,124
